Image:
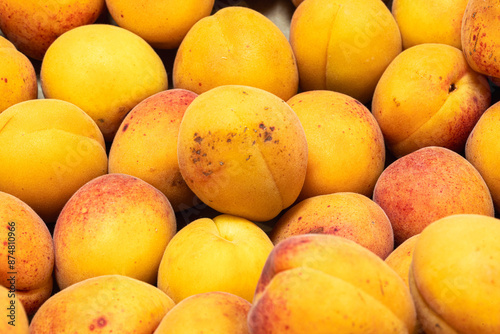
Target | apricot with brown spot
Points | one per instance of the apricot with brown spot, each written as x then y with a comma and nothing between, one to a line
251,176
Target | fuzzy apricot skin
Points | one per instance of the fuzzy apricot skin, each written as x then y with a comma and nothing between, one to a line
346,149
429,96
111,303
103,69
319,283
16,320
100,217
29,243
423,21
349,215
480,35
230,253
429,184
47,20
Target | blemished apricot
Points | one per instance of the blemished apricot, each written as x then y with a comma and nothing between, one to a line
243,151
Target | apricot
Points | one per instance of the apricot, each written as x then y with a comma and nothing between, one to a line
109,303
236,46
400,258
26,248
52,148
429,96
480,33
400,261
145,145
33,25
349,215
346,151
423,21
103,69
243,151
483,149
210,312
163,24
454,275
226,253
429,184
343,45
104,215
320,283
18,81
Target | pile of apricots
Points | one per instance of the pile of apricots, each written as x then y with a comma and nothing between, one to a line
249,167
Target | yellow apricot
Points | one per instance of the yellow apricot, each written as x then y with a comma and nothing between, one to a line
50,148
163,24
236,46
103,69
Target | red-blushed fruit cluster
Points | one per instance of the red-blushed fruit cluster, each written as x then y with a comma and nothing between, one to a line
249,167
